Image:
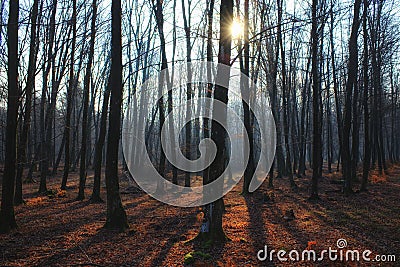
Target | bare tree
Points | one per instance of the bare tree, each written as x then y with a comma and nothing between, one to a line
86,85
367,146
44,149
348,160
30,85
189,93
98,154
7,216
70,92
116,216
317,142
288,164
245,91
212,225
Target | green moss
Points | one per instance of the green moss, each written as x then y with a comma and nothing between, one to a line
192,256
188,259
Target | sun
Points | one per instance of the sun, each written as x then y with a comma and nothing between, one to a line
236,29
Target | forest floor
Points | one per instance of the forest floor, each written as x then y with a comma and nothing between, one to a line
56,230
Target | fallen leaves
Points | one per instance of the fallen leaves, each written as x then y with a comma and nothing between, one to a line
55,230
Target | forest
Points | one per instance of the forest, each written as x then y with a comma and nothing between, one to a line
199,133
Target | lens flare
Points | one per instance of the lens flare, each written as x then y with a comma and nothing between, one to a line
236,29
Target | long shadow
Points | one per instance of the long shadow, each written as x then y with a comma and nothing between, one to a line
76,205
66,208
173,228
302,237
78,248
299,235
136,203
45,235
338,216
136,255
257,225
370,235
176,234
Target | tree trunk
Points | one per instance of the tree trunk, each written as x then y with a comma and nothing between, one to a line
317,142
329,141
60,152
347,161
335,87
30,85
164,79
170,103
71,98
367,147
188,115
213,212
245,92
209,89
288,164
98,154
86,85
305,94
116,216
7,216
44,151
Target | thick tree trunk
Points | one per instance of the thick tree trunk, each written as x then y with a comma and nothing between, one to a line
116,216
347,160
7,216
213,212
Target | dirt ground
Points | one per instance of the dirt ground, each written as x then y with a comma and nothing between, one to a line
56,230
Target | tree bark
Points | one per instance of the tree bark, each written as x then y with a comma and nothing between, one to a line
86,85
44,151
245,92
98,154
214,231
335,86
209,89
317,142
347,160
158,9
30,85
116,216
188,128
7,216
367,147
288,164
